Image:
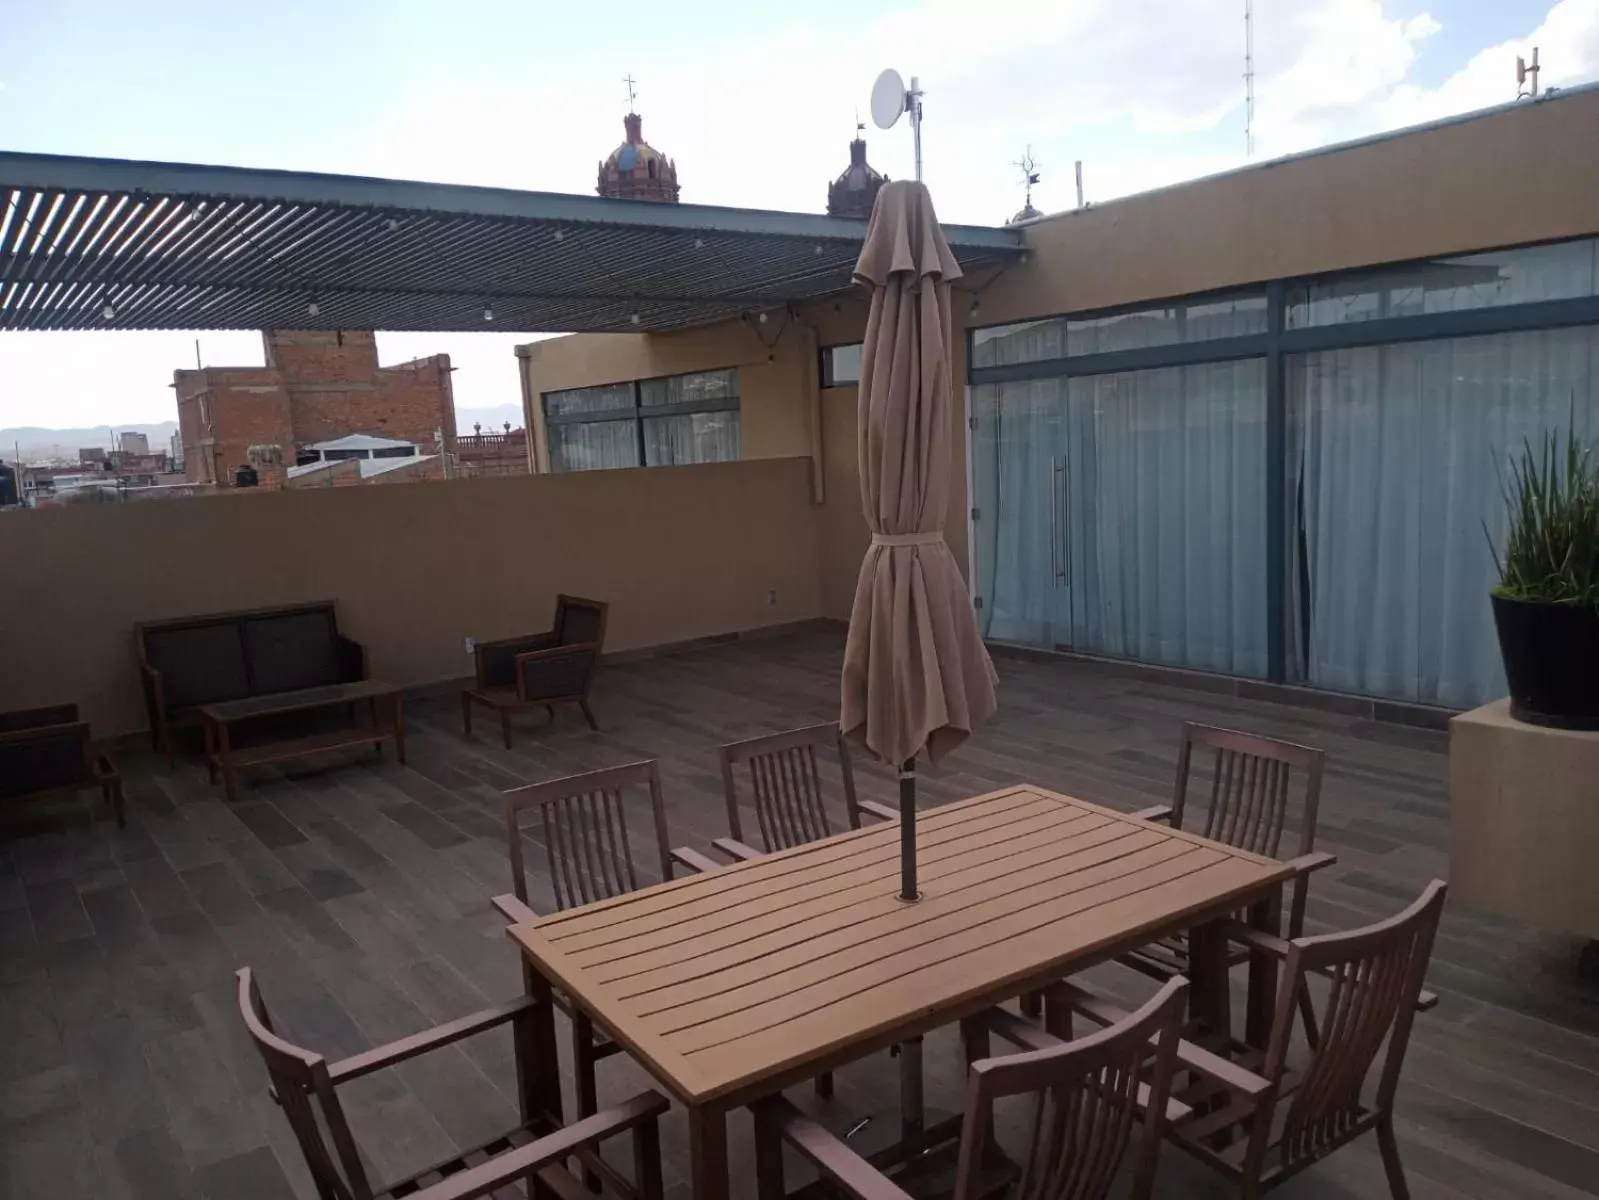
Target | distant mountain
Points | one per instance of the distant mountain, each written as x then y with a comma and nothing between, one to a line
492,419
35,442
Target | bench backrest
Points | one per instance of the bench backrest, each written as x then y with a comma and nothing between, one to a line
228,656
41,758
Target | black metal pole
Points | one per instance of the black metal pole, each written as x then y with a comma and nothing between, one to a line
907,830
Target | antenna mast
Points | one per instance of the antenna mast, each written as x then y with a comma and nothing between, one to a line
1249,78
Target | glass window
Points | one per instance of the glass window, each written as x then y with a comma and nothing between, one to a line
1180,321
1491,280
841,365
1024,342
1123,514
613,426
1395,455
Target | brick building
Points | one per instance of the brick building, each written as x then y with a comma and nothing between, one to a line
504,453
316,385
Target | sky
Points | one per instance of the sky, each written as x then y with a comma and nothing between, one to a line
756,104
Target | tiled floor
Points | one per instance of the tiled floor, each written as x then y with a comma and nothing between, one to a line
359,893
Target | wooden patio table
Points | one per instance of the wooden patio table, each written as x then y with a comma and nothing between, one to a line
732,985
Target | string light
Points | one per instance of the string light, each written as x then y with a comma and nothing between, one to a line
634,318
109,313
488,313
313,309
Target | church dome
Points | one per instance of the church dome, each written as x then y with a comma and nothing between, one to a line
636,170
1028,213
854,192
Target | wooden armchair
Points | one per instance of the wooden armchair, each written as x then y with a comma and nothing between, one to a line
46,751
1259,1122
786,788
305,1086
1089,1097
582,821
540,670
1249,808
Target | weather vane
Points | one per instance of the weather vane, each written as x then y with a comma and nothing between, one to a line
1028,166
632,95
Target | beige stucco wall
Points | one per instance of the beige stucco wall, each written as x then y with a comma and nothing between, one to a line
681,553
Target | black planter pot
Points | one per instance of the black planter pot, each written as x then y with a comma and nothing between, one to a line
1551,655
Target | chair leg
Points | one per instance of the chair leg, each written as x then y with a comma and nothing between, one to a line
583,1063
466,715
589,714
1390,1159
113,794
824,1086
1032,1005
505,726
768,1160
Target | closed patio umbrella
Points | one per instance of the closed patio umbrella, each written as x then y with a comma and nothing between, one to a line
916,674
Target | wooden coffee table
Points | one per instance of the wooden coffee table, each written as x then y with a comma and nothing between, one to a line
224,758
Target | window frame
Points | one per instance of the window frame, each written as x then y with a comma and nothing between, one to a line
824,368
639,412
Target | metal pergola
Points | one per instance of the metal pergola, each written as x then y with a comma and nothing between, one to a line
90,243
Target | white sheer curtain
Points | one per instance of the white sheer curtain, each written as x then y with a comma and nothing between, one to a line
1394,462
593,445
692,438
1125,514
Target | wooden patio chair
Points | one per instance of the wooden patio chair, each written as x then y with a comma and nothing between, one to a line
1090,1098
582,822
1250,798
48,751
790,803
786,790
1259,1122
540,670
305,1086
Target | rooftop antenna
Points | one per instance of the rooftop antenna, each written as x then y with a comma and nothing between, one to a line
632,93
1524,73
1079,183
891,99
1249,79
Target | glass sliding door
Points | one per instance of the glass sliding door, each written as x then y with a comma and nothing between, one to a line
1395,455
1124,514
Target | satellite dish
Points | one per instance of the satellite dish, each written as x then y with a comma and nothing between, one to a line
888,99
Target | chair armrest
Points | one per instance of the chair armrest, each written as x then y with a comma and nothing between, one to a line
155,701
19,720
498,658
1314,861
1158,812
394,1052
510,1167
1189,1056
352,658
736,849
823,1149
513,910
881,811
557,673
104,769
694,860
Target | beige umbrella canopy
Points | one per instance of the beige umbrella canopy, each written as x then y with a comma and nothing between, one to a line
916,674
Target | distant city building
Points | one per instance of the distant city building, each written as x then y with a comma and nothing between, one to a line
504,453
854,192
636,170
133,443
317,388
175,451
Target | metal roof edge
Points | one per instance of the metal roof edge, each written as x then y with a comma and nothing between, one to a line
20,169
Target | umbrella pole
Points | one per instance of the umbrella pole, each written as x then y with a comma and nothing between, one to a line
907,830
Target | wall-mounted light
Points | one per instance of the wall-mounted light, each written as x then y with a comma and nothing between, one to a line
975,306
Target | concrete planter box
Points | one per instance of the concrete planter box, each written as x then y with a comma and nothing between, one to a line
1524,819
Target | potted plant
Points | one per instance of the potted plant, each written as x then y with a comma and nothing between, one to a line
1546,604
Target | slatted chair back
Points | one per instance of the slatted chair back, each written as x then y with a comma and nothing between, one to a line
302,1087
1377,975
1088,1105
583,822
579,621
1250,788
786,786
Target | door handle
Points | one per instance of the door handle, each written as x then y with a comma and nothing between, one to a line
1057,468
